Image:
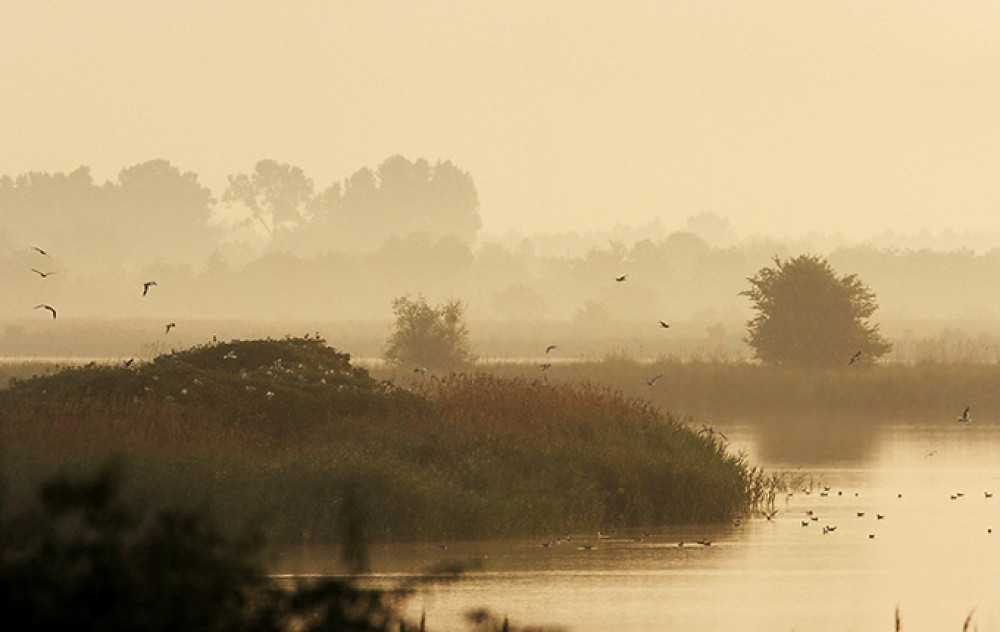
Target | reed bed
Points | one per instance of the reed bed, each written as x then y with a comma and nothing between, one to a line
741,390
281,432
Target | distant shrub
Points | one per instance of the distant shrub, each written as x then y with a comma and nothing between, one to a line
428,336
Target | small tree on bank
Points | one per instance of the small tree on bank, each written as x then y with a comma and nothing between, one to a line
428,336
807,316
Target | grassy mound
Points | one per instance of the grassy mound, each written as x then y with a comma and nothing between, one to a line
288,432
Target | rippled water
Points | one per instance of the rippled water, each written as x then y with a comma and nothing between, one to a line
931,555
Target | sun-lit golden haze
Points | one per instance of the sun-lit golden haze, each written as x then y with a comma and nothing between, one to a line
854,117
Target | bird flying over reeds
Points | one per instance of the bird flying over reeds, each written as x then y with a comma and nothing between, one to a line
48,307
146,286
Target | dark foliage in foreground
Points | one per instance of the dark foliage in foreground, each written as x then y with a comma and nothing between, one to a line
84,559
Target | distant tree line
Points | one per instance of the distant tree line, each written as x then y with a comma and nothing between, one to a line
405,227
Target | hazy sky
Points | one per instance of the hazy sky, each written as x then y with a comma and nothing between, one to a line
851,116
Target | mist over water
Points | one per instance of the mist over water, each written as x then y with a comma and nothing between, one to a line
602,178
932,556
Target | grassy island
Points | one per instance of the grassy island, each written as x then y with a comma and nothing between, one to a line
288,434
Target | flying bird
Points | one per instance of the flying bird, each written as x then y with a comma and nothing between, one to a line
854,358
546,366
169,327
146,286
41,274
421,370
652,381
48,307
621,278
39,250
965,418
550,348
664,325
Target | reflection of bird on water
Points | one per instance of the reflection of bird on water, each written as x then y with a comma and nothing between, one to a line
855,358
48,307
652,380
965,418
712,431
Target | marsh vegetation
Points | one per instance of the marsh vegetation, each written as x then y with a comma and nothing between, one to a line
285,429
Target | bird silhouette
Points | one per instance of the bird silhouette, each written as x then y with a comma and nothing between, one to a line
146,286
48,307
652,380
39,250
664,325
169,327
41,274
621,278
712,431
550,348
855,358
546,366
965,418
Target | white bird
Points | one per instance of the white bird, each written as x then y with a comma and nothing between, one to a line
48,307
146,286
965,418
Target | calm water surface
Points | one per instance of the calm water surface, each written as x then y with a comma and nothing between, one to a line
931,555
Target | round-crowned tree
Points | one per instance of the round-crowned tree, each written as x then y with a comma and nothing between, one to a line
428,336
808,316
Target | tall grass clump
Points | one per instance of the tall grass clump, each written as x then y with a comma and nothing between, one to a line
289,433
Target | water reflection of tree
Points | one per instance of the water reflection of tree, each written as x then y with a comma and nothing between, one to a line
815,438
